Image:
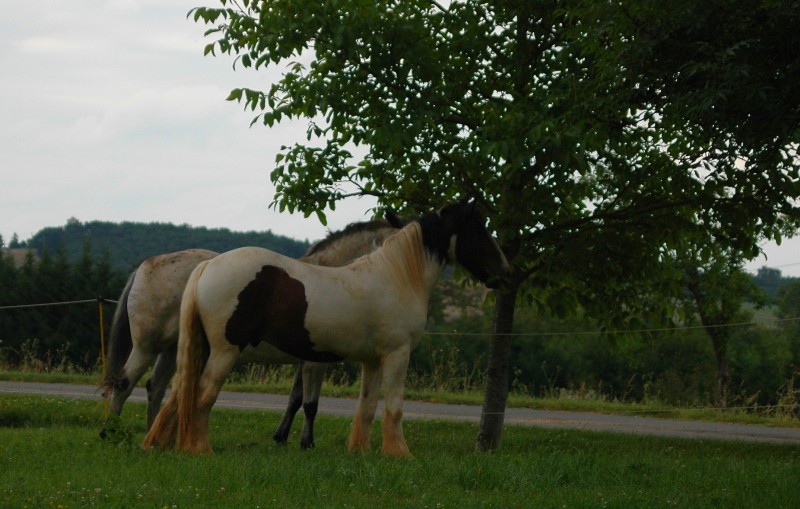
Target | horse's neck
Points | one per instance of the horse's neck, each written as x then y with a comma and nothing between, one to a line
346,250
408,262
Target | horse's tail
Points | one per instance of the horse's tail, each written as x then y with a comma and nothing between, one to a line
120,344
193,350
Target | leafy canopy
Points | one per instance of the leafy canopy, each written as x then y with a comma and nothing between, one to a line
600,136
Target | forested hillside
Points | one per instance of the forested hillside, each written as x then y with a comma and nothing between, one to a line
129,243
79,261
570,354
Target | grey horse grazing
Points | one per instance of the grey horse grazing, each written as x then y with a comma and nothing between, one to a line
145,326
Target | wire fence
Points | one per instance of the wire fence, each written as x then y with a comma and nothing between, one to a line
44,304
622,331
768,321
99,300
757,408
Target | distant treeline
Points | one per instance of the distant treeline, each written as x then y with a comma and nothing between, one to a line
128,244
550,355
55,335
90,260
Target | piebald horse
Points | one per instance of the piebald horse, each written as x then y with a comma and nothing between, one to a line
372,311
145,325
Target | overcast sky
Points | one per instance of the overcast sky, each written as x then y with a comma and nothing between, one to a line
109,111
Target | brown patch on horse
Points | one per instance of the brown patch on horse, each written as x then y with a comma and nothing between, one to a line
272,307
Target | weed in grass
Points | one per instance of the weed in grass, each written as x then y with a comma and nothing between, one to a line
263,374
447,373
31,356
789,399
118,433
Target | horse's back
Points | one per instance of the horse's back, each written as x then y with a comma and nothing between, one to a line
155,297
236,268
228,275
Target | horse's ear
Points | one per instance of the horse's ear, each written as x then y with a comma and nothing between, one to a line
394,219
471,205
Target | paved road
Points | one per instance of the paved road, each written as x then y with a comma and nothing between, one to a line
469,413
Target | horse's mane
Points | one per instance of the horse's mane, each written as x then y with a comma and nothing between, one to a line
350,229
405,253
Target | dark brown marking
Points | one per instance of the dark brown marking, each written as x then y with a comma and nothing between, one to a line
272,308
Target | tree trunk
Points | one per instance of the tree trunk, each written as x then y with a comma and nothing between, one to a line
496,391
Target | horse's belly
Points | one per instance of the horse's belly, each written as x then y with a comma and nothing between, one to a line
266,353
361,330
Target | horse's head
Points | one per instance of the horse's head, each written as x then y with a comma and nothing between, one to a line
471,245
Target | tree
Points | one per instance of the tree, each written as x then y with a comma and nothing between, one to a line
15,243
789,312
769,280
547,112
716,292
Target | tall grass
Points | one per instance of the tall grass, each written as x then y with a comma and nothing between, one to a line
51,456
34,357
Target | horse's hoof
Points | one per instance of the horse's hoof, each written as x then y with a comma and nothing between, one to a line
280,439
306,446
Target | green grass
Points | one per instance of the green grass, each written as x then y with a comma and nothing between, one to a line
51,456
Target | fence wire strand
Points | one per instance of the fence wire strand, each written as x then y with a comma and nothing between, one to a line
43,304
617,331
100,301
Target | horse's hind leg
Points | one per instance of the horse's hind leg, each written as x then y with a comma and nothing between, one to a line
157,385
216,370
313,376
164,430
295,402
365,411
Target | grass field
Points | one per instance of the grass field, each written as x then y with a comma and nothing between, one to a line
51,456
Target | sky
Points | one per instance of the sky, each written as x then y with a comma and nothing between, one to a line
110,112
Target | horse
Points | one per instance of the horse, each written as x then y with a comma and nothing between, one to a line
372,311
145,326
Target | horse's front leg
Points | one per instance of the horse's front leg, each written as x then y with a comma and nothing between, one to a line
157,385
365,411
137,363
395,366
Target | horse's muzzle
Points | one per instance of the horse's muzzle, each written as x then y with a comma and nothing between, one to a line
497,281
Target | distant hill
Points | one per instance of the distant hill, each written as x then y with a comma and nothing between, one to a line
128,244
